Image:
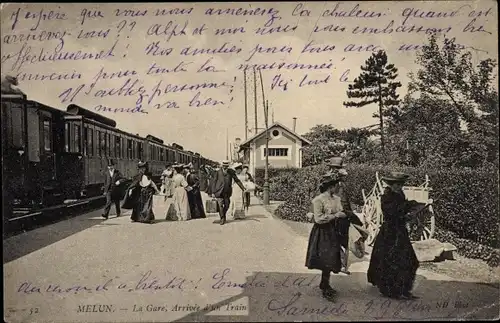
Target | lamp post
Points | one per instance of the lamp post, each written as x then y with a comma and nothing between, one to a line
266,167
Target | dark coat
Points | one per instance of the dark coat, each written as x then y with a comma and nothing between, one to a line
110,184
222,184
323,250
131,200
393,263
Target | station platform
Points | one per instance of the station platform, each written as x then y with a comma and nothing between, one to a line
87,269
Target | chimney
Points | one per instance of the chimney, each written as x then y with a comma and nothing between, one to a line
294,123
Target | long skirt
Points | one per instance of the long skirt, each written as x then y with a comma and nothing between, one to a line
196,204
180,205
393,263
237,205
323,250
143,208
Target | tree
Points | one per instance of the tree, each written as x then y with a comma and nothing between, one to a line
327,141
447,73
376,85
425,133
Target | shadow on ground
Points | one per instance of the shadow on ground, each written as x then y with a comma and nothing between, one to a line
46,234
272,296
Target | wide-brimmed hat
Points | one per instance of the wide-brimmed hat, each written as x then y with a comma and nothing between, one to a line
190,165
142,164
111,162
245,166
395,177
335,162
225,163
178,165
329,178
236,165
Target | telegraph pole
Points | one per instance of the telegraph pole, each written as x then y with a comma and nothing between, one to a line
227,144
266,168
246,107
255,96
266,120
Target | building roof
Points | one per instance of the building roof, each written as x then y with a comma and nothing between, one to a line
276,124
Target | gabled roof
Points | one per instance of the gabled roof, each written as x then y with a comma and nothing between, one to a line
276,124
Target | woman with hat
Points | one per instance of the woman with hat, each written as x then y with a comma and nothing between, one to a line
166,180
179,209
194,195
140,196
237,205
393,263
323,251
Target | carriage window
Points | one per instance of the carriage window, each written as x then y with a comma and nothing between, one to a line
103,144
108,143
112,148
85,140
139,153
129,148
162,154
118,146
17,124
47,135
77,140
66,137
90,142
134,149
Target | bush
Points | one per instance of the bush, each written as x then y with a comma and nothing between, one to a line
465,200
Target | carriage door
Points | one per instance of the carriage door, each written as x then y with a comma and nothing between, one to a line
47,157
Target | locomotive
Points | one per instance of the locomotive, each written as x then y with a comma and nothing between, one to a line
51,156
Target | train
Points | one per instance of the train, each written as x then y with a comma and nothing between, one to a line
51,156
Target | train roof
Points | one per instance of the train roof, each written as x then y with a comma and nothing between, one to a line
77,110
74,111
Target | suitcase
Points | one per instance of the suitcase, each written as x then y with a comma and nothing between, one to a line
211,206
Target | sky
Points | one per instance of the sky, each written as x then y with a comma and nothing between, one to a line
183,78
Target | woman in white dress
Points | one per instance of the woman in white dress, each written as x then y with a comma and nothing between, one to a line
180,198
237,205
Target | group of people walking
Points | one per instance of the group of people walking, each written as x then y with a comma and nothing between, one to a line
393,263
181,186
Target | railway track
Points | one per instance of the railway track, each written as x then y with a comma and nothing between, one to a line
25,220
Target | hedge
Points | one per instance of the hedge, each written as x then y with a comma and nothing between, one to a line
465,200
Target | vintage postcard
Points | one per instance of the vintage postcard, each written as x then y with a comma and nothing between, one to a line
250,161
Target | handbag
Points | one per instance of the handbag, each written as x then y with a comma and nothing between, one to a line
249,186
357,238
211,206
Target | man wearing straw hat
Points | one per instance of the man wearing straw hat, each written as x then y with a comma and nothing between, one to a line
222,188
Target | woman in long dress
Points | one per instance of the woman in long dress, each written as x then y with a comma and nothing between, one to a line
393,263
323,251
194,195
248,178
237,205
140,196
180,203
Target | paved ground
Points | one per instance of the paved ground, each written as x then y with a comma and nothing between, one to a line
89,270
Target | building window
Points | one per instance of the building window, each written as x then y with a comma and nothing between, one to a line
276,133
276,152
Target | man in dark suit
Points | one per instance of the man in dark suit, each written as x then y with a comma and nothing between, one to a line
222,188
113,179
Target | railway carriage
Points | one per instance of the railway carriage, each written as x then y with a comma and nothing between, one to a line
32,153
50,156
